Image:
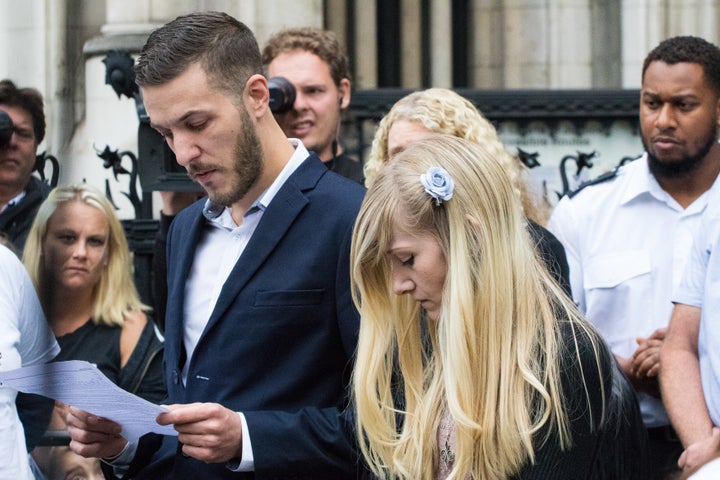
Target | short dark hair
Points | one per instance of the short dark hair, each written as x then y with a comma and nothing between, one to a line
688,49
226,49
323,43
30,100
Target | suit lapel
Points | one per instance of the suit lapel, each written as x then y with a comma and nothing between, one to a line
277,219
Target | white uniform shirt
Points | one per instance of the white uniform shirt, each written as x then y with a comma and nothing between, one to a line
699,287
25,339
627,242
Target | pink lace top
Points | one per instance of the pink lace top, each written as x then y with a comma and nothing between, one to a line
447,442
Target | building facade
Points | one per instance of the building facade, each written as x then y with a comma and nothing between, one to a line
58,46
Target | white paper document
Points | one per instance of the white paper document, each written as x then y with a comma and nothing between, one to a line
82,385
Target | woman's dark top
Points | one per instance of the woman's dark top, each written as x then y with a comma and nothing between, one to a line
552,253
613,449
100,345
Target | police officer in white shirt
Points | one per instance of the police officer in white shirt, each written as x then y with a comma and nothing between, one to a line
628,234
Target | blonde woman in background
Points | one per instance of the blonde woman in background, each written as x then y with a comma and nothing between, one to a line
78,259
439,110
472,362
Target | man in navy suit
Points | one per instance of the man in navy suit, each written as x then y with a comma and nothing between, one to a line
260,328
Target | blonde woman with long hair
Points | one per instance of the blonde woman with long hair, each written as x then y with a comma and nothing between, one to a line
443,111
78,259
79,262
472,362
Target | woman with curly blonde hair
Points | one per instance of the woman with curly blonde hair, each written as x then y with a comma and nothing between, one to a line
439,110
472,362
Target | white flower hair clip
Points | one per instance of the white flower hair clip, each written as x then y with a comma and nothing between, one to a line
438,184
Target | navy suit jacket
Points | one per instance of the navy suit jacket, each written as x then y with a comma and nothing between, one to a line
279,344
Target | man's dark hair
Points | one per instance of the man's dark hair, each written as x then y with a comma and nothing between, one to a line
226,49
30,100
323,43
692,50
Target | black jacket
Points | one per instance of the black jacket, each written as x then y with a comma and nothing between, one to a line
15,220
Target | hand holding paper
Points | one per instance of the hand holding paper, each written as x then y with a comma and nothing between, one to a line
94,436
82,385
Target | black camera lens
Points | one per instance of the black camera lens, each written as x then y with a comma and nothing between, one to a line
282,94
6,128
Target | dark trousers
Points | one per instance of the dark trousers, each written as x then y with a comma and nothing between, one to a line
663,450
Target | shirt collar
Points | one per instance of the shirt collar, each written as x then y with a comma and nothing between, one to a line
13,201
642,181
221,214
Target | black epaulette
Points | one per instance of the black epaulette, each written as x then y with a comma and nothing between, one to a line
599,179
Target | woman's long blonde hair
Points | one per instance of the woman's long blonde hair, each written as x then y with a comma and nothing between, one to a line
115,294
441,110
494,355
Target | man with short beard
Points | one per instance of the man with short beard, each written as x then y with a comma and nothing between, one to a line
260,326
628,234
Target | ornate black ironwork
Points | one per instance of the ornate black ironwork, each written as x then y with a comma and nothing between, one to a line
523,107
119,73
112,159
41,161
582,160
530,160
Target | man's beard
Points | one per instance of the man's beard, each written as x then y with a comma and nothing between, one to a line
682,168
248,165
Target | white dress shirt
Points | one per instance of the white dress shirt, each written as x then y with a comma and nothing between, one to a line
215,257
627,242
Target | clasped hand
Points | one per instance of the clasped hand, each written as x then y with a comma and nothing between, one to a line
644,366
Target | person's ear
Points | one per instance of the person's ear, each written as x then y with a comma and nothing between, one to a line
344,93
256,95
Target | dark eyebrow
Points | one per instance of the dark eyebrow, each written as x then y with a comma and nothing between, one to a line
183,118
674,98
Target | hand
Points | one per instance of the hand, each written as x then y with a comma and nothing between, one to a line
93,436
646,359
645,384
57,420
699,453
208,431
